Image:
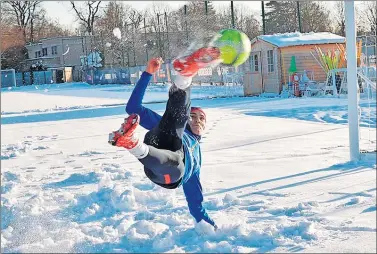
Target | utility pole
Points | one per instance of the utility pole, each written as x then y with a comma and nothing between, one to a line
128,51
241,22
167,34
122,58
133,41
133,24
185,9
146,41
232,12
299,17
31,29
128,56
206,8
263,19
63,53
159,34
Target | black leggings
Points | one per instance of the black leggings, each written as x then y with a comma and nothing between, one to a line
164,164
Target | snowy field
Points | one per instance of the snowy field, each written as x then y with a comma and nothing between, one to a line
276,175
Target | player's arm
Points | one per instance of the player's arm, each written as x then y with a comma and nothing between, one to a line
194,196
148,118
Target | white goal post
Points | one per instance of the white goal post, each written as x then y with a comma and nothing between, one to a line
353,119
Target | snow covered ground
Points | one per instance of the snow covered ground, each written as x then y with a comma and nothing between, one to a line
276,175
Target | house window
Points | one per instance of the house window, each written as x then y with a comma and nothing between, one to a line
54,50
254,63
36,54
44,51
270,60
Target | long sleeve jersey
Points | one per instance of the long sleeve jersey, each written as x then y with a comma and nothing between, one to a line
193,159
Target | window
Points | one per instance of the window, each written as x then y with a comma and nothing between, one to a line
254,63
44,51
54,50
270,60
36,54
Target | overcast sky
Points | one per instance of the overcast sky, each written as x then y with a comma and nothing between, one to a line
61,10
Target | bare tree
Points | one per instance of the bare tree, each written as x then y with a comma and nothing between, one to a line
113,47
113,16
191,27
6,18
370,8
132,28
340,22
43,27
244,20
156,14
135,17
89,15
24,12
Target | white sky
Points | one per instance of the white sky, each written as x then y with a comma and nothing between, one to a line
61,10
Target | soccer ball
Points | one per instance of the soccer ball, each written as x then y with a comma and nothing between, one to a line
234,45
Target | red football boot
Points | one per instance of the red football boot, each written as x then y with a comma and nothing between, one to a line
124,137
205,56
188,66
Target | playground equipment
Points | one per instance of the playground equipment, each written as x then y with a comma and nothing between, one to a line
335,65
336,83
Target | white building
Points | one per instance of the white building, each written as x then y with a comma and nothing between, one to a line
63,53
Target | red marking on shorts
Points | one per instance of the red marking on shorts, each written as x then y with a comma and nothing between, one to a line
167,179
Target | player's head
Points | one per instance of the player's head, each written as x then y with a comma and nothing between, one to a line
197,120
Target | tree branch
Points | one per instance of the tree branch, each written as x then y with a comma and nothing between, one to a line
79,14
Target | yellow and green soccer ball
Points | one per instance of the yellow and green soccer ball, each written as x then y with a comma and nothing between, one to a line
234,47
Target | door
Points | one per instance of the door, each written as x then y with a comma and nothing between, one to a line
59,76
256,73
67,74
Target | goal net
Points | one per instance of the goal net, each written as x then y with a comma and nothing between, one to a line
367,91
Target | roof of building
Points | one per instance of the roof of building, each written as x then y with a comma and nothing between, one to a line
57,37
295,39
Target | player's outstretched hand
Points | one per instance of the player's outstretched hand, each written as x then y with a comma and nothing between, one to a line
154,65
215,227
204,228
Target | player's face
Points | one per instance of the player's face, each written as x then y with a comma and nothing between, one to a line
197,122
